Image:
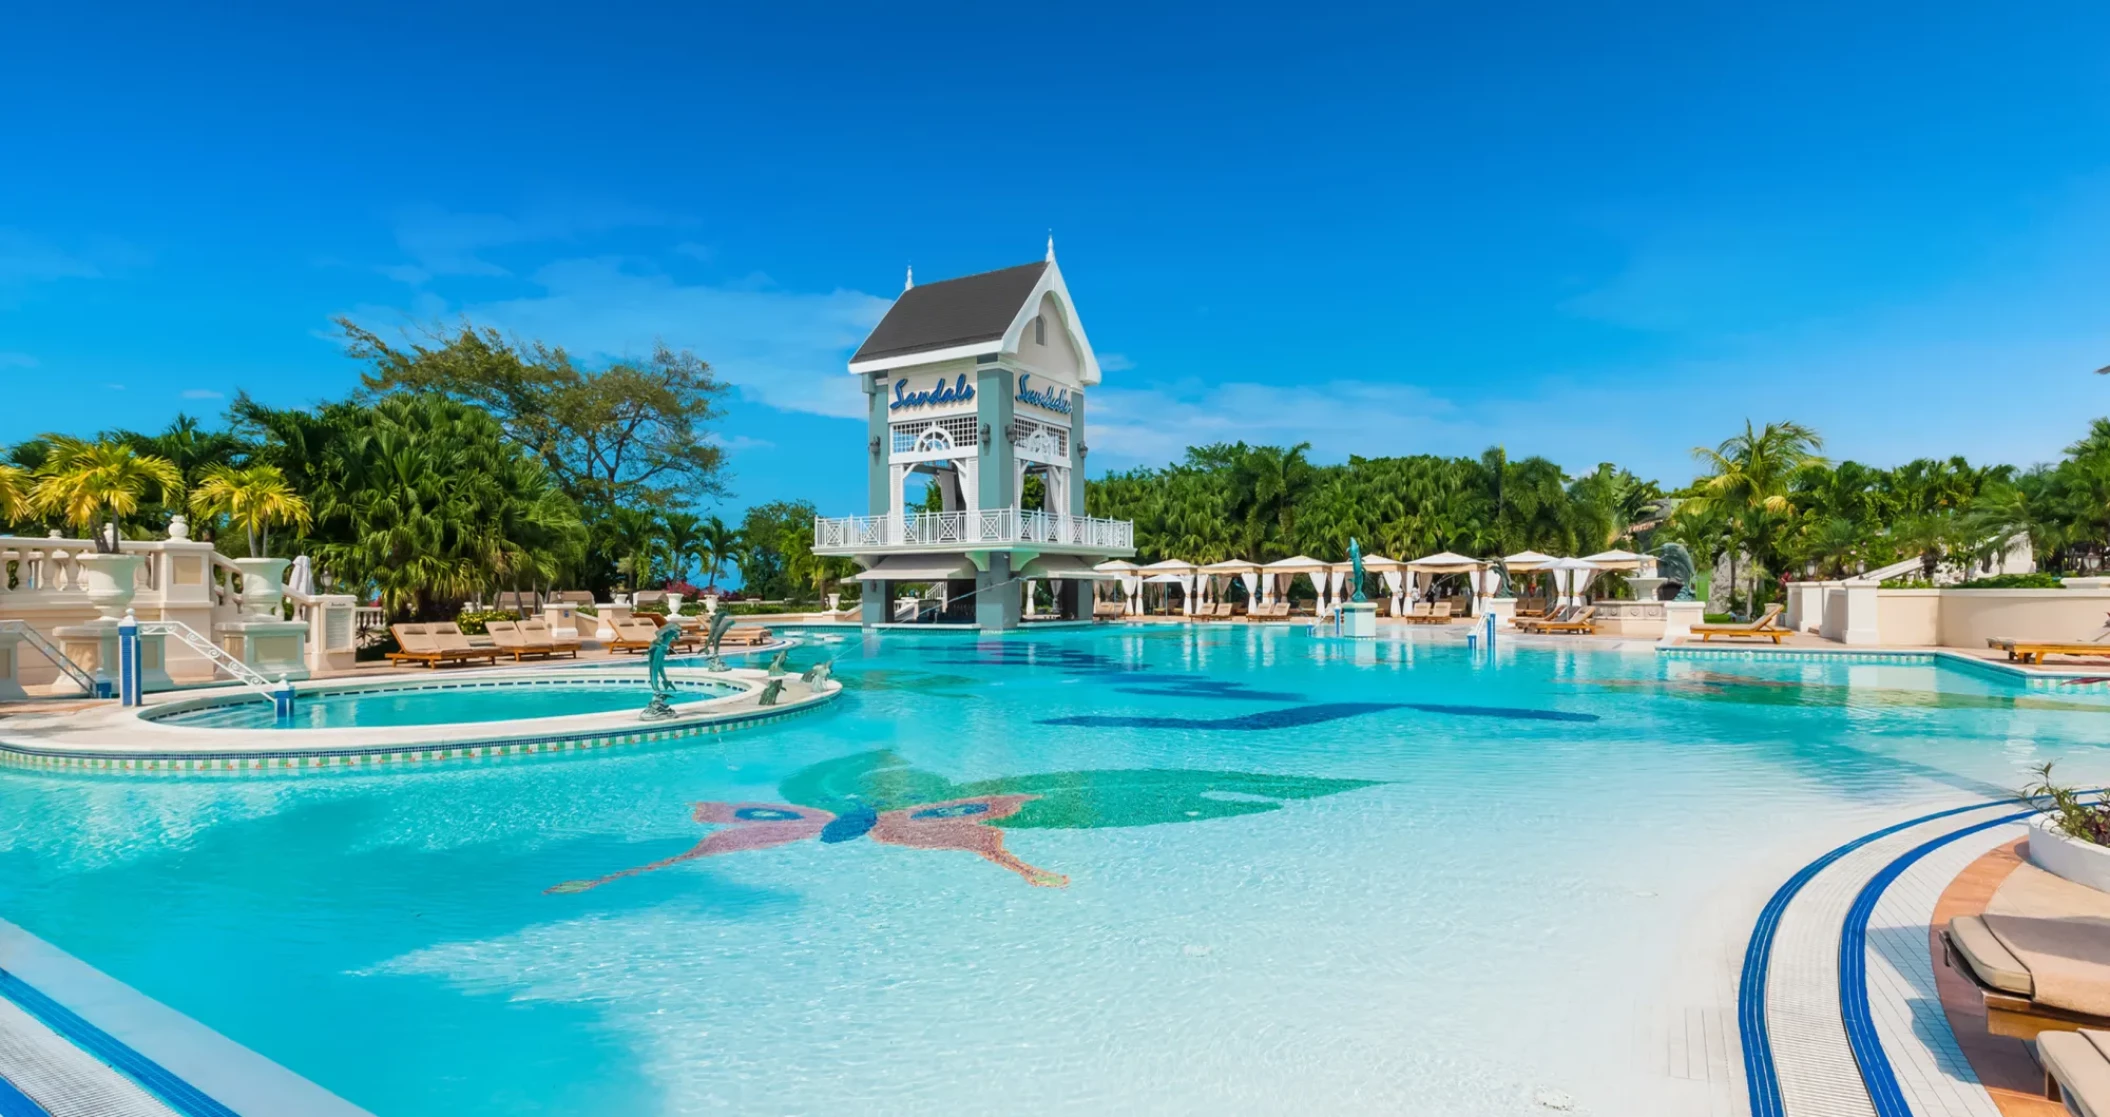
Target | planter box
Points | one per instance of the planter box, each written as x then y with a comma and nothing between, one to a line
2083,863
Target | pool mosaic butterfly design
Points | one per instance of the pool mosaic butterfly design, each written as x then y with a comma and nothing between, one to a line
880,795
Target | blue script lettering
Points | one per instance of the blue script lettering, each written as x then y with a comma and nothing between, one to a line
1057,400
959,391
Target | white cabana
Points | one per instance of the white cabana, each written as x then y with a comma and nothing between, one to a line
1524,562
1216,576
1131,582
1427,567
1283,571
1571,576
1626,561
1341,580
1183,574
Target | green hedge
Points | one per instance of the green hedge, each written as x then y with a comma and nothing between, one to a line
2015,582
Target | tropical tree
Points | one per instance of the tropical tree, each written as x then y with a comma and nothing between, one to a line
14,493
637,539
253,499
720,544
95,485
1748,481
681,537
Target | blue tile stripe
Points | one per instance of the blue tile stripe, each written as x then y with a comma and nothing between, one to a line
14,1103
1761,1077
151,1076
1876,1072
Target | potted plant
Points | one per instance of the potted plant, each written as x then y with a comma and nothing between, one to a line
254,499
2070,836
93,486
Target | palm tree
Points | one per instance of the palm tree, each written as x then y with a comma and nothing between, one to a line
682,536
1748,479
720,544
95,485
636,540
14,493
252,499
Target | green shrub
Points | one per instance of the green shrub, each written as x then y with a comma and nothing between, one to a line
1720,618
2015,582
659,607
2072,813
474,623
1907,584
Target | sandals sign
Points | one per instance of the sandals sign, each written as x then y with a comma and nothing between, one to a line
1055,399
959,391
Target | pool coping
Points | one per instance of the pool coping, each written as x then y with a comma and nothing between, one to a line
63,747
2034,678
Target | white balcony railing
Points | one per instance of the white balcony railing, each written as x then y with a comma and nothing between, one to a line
985,527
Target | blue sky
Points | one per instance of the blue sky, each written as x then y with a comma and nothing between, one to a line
1602,232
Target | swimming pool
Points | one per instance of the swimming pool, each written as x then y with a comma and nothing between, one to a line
436,703
1165,870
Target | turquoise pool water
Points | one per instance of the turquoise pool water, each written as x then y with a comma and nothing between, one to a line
443,705
1226,870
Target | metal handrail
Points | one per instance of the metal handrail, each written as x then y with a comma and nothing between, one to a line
58,659
243,673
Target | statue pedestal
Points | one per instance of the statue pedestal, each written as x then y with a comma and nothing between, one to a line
616,612
1645,587
1359,620
94,647
272,647
1500,608
1679,617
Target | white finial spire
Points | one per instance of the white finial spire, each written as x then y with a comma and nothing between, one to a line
1051,246
911,280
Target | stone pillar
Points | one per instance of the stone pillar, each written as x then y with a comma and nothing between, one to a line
1679,617
268,646
874,607
11,665
1862,607
995,605
1500,608
1359,619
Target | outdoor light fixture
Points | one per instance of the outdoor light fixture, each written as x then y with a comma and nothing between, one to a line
875,445
985,436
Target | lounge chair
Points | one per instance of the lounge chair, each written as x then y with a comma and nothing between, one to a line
1108,610
632,635
2077,1070
415,645
1578,625
1417,613
507,636
456,643
2034,651
564,641
1998,955
749,635
1766,627
1564,613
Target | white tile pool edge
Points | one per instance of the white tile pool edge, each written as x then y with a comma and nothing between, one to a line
224,1070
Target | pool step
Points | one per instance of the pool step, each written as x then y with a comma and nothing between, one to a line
62,1079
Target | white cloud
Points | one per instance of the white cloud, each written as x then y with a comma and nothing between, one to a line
787,349
1115,362
17,360
202,393
27,259
737,442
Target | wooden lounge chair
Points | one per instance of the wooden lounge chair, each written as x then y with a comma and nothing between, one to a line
632,635
1766,627
456,643
2034,651
2014,1004
506,635
1564,613
1108,610
415,645
564,641
748,635
1417,613
2077,1070
1578,625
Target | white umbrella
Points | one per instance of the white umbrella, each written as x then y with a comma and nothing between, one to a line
1619,560
1526,561
1570,576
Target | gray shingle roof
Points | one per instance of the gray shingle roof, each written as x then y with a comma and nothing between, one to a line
952,312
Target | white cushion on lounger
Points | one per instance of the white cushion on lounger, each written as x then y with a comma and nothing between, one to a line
2077,1061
